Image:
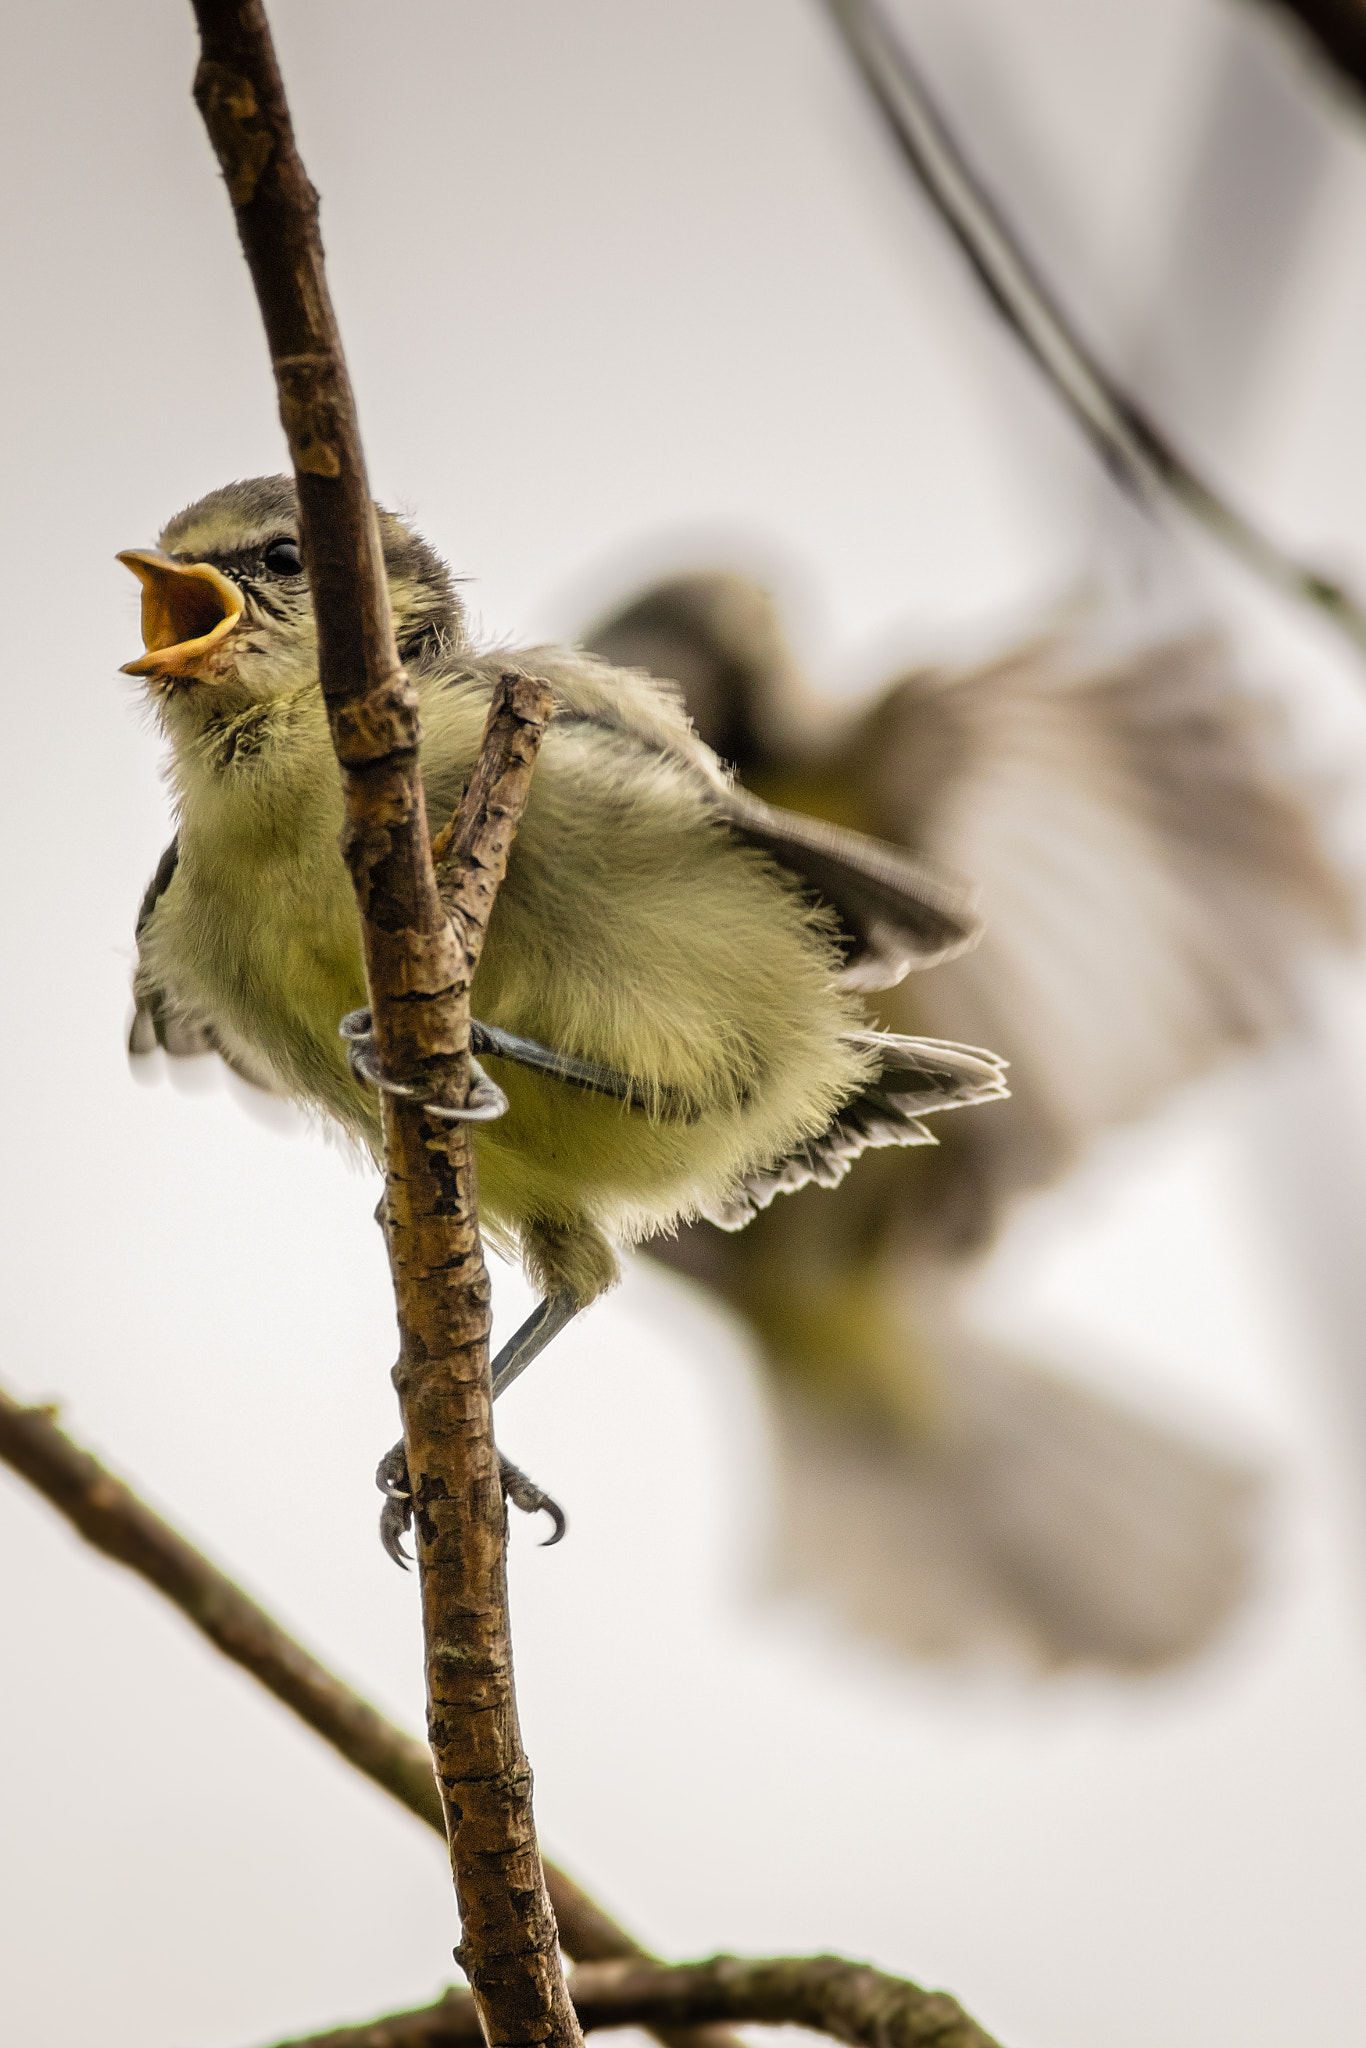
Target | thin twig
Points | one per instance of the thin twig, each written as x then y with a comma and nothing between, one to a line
419,965
1139,454
508,1948
114,1521
850,2001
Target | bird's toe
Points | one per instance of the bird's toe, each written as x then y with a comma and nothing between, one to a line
525,1494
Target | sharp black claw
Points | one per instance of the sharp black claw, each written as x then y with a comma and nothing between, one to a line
395,1519
396,1516
525,1494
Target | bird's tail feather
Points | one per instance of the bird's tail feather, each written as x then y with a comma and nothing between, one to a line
912,1078
1037,1521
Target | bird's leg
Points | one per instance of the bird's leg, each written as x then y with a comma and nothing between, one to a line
486,1098
545,1322
391,1477
485,1102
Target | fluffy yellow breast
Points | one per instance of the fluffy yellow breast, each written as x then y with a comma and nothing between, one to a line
633,929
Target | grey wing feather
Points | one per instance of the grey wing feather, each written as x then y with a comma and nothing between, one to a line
158,1021
716,636
1152,879
899,910
1038,1519
1151,875
155,1021
159,884
917,1077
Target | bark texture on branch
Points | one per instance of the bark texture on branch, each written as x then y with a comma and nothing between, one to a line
850,2001
418,968
409,948
114,1521
509,1946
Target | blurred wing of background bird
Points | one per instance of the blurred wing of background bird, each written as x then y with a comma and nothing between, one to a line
1151,881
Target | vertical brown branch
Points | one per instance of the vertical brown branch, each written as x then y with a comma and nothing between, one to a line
418,966
509,1948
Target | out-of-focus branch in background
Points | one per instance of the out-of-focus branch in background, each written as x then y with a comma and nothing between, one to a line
1140,455
1338,29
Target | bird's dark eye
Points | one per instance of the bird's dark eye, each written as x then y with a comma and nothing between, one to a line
282,558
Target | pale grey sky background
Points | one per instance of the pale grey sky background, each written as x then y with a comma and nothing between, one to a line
617,280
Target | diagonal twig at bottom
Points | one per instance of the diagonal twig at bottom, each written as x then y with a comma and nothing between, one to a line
854,2003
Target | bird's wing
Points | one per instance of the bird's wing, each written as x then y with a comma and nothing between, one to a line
718,637
916,1078
1151,879
155,1023
898,911
161,1021
1150,875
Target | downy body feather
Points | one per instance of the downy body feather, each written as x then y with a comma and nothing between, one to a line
632,928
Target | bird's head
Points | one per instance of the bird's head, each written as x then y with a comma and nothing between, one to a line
227,616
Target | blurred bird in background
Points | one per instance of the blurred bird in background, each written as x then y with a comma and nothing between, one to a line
1153,878
1150,882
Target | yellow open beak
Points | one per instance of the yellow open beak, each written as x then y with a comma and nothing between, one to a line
188,609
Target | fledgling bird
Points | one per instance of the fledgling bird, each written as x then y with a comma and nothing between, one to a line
669,988
1152,878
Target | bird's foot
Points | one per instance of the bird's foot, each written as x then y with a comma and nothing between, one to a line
484,1103
525,1494
396,1516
